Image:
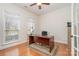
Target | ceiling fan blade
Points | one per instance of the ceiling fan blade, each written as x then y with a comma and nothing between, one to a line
33,4
39,7
46,3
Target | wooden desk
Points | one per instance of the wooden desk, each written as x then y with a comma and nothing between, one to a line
47,40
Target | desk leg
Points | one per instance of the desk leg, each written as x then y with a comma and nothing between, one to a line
50,49
51,46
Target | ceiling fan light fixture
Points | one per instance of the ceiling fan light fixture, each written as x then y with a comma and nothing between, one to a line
39,4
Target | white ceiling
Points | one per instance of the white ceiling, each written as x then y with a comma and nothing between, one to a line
45,8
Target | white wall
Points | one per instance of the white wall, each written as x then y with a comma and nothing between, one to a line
55,23
24,18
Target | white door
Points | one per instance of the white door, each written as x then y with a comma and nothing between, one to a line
75,29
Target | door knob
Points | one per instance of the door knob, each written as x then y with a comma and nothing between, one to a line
71,36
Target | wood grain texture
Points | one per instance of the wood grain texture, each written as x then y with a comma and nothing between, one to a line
24,50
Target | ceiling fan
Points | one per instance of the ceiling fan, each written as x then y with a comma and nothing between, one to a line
40,4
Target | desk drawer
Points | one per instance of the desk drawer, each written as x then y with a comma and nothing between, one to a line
43,41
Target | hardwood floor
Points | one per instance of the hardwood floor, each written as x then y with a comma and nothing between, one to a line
62,50
24,50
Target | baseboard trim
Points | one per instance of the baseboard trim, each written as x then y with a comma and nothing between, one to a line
61,42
